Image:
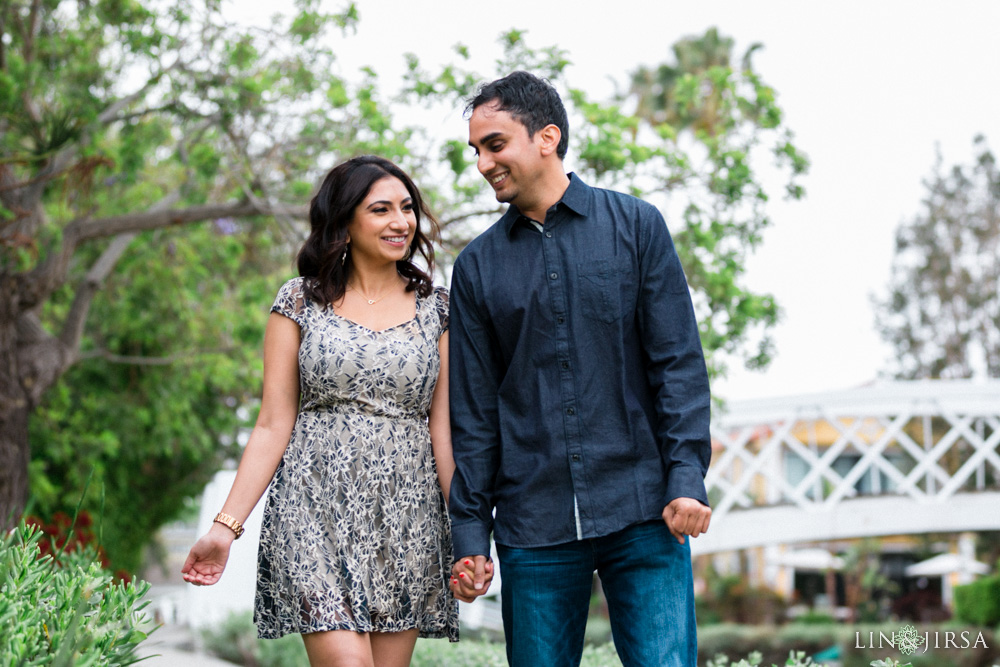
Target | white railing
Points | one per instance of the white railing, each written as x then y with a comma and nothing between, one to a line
921,442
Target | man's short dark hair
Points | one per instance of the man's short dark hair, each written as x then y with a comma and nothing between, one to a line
531,101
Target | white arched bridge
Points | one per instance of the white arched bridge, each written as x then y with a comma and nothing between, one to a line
889,459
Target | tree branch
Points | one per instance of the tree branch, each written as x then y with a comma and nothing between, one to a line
72,330
29,55
85,230
31,31
3,31
150,361
474,214
41,357
47,175
62,158
112,111
124,229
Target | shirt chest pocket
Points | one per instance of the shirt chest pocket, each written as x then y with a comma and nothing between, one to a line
599,289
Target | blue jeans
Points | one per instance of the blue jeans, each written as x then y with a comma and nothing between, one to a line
646,576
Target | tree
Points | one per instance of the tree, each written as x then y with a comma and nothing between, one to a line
122,122
664,93
155,161
942,315
696,159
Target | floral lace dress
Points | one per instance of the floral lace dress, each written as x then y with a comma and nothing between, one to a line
355,533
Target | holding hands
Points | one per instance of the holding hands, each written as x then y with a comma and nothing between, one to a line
471,577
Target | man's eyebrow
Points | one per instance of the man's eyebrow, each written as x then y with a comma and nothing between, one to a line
488,138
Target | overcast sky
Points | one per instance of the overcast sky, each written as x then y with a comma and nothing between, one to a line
871,90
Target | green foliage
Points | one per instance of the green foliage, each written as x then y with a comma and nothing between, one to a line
434,652
236,640
978,603
813,617
795,659
731,599
771,643
66,610
115,108
686,141
941,315
62,533
790,646
171,366
866,586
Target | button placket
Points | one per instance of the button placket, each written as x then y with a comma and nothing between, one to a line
557,275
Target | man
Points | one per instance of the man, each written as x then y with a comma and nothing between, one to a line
579,400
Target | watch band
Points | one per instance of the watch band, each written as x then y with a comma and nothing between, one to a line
230,522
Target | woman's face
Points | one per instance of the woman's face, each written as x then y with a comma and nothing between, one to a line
384,223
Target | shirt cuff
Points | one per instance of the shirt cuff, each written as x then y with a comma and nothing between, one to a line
686,482
470,539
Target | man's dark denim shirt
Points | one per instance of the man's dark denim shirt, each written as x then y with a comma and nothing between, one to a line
575,370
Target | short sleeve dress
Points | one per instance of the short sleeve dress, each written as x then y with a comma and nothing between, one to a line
355,533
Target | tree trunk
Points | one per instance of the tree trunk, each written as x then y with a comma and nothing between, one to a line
31,360
14,409
14,456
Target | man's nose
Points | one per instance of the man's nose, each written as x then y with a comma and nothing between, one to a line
484,163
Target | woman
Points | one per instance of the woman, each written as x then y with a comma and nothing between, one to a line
355,547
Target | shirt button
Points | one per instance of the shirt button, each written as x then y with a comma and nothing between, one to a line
576,457
570,411
548,235
560,320
553,275
565,365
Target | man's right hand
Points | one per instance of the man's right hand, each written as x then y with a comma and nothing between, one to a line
471,577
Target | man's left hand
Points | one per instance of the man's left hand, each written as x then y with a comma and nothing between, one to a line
686,516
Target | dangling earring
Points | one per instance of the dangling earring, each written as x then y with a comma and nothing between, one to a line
343,258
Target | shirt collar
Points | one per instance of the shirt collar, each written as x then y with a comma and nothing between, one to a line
577,198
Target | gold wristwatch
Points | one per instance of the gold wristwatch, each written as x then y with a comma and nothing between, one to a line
230,522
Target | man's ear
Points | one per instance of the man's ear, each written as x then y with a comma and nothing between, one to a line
548,139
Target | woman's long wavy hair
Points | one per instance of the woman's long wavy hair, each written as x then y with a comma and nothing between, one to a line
331,211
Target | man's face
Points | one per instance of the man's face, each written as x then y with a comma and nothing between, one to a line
508,158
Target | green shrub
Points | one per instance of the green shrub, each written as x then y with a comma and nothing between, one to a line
731,599
813,617
65,609
236,641
772,643
440,653
979,602
795,659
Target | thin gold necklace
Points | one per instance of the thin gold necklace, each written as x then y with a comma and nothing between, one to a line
371,302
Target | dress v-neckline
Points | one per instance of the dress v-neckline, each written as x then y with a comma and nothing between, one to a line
416,312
